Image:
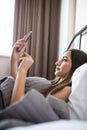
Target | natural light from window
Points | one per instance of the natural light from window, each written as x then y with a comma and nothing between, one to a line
6,26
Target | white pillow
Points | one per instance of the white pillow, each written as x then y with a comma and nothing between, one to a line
78,96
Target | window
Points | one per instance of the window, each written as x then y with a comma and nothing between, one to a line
6,26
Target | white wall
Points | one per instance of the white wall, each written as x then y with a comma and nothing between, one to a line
81,14
67,24
81,20
73,18
4,66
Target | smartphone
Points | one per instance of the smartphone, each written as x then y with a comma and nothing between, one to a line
28,36
26,39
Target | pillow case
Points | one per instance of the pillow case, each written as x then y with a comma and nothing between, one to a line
78,96
7,85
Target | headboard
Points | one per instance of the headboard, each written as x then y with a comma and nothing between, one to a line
79,35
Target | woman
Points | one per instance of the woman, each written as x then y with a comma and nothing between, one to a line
61,85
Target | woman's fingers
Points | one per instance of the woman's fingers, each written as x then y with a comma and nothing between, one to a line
26,61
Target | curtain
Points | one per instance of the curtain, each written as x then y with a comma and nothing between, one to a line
42,17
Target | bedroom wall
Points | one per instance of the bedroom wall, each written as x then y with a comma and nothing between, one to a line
81,20
4,66
67,24
73,18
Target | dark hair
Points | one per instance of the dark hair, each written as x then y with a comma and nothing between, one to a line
78,57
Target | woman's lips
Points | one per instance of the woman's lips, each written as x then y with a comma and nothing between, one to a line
57,69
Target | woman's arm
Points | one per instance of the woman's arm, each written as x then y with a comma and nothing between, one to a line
63,93
15,56
19,86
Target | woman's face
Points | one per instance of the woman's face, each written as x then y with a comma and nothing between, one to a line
63,66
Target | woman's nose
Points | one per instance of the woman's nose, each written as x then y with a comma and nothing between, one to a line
58,62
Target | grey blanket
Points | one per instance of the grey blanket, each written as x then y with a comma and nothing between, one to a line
33,108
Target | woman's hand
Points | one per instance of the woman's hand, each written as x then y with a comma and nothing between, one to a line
15,53
25,62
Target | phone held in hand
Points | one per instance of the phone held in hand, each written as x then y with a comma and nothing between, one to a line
26,39
28,36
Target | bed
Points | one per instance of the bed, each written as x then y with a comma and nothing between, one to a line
56,125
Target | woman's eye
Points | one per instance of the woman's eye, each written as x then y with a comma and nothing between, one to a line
65,59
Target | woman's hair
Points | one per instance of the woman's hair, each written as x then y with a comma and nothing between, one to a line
78,58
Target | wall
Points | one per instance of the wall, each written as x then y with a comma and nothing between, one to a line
4,66
67,24
73,18
81,20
